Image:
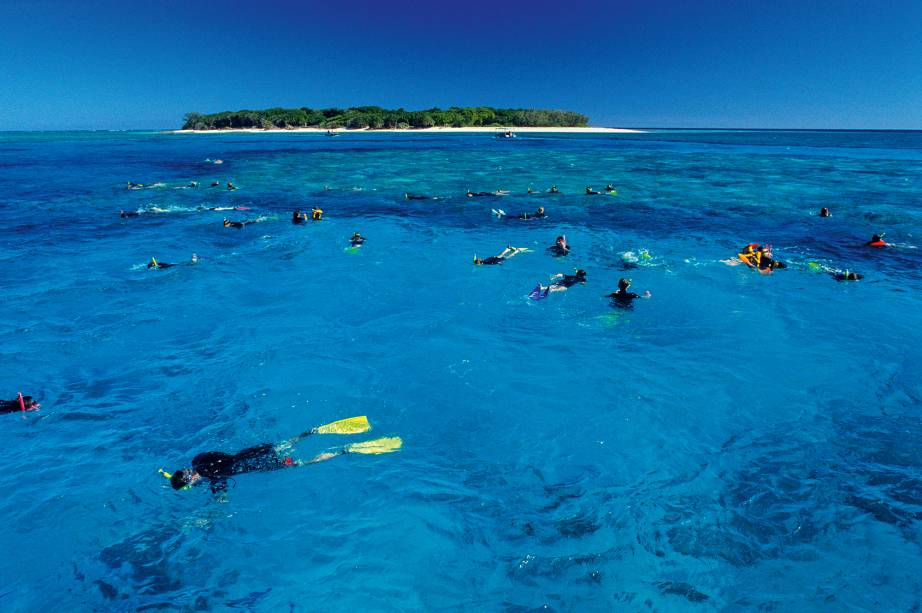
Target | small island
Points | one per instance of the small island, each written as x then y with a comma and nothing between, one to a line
377,118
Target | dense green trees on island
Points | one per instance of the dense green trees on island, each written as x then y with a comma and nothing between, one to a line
377,118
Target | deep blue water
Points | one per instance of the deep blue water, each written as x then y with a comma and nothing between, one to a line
736,442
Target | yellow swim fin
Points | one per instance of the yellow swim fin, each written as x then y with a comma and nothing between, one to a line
387,444
351,425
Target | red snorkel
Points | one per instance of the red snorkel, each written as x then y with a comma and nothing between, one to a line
22,403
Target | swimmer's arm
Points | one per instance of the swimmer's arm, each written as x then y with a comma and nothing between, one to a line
559,275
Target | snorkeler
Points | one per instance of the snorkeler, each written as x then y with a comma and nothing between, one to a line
845,276
504,255
553,190
561,282
760,258
610,189
20,405
592,192
159,265
357,240
539,214
215,184
409,196
216,467
230,186
133,185
499,192
877,241
317,214
824,212
240,224
298,217
622,297
560,247
125,214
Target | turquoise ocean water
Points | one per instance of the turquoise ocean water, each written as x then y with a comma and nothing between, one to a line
736,442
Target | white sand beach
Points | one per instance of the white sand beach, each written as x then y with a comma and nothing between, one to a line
486,129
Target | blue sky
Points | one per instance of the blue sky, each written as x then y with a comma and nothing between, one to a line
112,65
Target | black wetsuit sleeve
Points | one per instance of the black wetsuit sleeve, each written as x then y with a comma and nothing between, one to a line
9,406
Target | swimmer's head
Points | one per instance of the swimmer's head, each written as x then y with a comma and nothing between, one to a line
877,238
623,284
561,240
824,212
184,478
29,403
477,260
226,223
541,209
581,274
356,235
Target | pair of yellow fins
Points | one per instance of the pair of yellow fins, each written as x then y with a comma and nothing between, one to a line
358,425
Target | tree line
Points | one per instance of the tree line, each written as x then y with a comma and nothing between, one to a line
377,118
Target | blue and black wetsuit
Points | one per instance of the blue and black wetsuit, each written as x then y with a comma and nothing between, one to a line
217,466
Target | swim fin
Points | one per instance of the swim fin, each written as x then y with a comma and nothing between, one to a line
351,425
387,444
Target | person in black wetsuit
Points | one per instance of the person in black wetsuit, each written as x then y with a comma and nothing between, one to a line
240,224
21,403
560,247
553,190
155,264
610,189
564,282
845,276
298,217
504,255
539,214
357,240
824,212
216,467
624,298
592,192
125,214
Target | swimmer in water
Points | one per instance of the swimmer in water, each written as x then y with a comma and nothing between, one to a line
624,298
610,189
539,214
230,186
499,192
298,217
419,197
239,224
19,405
592,192
216,467
158,265
215,184
125,214
760,258
357,240
845,276
317,214
877,241
560,247
563,282
504,255
824,212
133,185
553,190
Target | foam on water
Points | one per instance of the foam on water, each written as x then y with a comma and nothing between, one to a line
737,441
